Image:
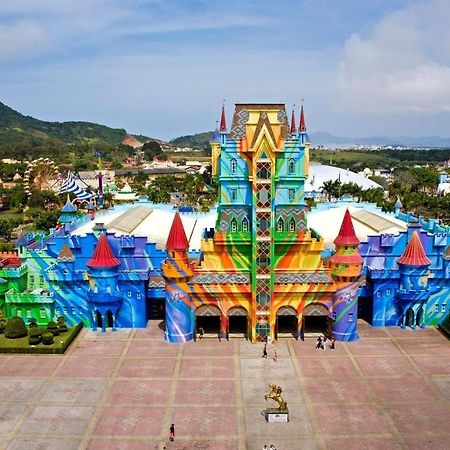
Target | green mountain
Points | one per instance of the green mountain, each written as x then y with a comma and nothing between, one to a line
198,140
15,128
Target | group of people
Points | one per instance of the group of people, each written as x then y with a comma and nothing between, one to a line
272,447
322,343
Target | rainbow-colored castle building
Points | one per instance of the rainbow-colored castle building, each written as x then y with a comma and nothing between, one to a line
260,272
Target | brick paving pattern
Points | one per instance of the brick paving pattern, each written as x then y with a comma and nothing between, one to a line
122,390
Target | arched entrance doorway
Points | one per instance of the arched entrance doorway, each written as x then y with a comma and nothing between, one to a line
316,319
237,322
286,323
99,319
207,318
109,319
420,318
410,319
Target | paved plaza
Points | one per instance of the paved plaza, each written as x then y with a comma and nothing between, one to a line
123,389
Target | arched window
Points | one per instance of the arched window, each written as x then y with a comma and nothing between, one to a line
280,224
233,225
263,173
244,224
291,167
233,166
292,224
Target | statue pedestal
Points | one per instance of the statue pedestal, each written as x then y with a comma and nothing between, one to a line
274,415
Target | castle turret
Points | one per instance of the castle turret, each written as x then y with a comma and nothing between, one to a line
398,206
21,245
91,209
177,271
104,295
68,213
223,127
293,126
304,139
345,267
413,292
66,261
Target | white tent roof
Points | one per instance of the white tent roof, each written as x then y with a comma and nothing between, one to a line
154,223
319,173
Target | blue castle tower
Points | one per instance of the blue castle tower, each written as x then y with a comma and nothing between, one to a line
104,293
413,292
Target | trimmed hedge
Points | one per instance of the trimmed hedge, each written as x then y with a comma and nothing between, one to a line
22,345
52,327
34,340
15,328
47,339
35,332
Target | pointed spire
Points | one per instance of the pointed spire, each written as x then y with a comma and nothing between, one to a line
69,207
22,240
65,254
414,254
216,135
302,126
103,257
347,235
177,240
293,127
223,123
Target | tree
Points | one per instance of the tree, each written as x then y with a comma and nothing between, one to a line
107,198
331,189
151,149
6,228
47,219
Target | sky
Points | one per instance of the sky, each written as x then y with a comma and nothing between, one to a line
163,68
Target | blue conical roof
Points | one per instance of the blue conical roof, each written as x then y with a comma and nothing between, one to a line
216,136
21,240
69,207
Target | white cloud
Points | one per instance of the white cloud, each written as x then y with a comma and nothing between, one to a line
403,65
22,38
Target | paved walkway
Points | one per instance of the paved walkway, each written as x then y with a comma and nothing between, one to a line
122,390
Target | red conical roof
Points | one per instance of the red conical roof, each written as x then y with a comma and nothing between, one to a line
177,239
414,254
223,123
302,126
347,235
103,256
293,127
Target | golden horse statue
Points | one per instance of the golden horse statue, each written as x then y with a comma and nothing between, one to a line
275,394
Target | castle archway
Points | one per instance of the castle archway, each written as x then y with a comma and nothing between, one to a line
286,324
316,319
207,320
237,322
99,319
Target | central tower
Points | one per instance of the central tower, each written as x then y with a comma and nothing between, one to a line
261,167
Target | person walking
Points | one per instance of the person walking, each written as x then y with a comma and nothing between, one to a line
172,432
324,343
265,351
319,343
275,354
332,343
201,332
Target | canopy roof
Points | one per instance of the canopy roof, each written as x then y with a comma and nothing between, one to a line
414,254
103,257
